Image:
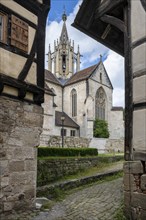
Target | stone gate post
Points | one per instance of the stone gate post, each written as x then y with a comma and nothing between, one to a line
135,170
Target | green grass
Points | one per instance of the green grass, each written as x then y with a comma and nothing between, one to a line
101,167
119,215
110,154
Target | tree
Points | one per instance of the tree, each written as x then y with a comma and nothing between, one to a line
100,129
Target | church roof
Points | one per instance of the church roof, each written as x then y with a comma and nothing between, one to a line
48,90
82,75
51,78
68,122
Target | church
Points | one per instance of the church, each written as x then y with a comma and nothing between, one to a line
74,98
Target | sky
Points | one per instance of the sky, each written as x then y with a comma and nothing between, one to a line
89,48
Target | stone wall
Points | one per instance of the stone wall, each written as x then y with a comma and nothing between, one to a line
56,141
53,169
20,128
135,190
105,145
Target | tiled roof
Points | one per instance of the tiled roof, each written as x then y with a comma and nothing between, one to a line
48,90
68,122
82,75
51,78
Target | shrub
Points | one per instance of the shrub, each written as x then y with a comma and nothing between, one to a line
69,152
100,129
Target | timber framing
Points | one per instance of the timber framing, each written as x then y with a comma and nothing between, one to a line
104,21
36,53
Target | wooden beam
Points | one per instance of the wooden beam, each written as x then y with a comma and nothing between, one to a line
107,6
114,21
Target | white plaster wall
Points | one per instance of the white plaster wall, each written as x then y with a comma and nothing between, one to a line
106,145
20,10
116,125
138,20
58,98
80,88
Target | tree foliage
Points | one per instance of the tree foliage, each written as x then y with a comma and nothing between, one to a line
100,129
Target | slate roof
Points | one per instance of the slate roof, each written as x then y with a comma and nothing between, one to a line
68,122
51,77
82,75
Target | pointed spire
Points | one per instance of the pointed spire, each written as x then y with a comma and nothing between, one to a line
100,58
64,16
64,34
49,49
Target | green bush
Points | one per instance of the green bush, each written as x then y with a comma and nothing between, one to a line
100,129
69,152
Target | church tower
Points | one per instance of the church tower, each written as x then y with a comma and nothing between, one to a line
63,62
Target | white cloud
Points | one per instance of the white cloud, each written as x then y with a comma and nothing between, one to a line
87,44
118,97
114,65
90,49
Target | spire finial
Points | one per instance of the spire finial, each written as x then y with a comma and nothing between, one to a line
100,57
64,16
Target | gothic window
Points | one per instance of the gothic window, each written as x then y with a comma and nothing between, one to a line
100,77
100,104
3,28
63,62
74,102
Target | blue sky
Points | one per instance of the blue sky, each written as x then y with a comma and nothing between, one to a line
89,48
57,7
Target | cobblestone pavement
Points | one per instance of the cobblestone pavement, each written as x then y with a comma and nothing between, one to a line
97,202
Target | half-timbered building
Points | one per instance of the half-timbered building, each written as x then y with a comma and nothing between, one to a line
22,37
120,25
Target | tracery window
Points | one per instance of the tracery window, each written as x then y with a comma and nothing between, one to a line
74,102
100,104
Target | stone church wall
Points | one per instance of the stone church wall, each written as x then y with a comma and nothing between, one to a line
80,88
20,128
56,141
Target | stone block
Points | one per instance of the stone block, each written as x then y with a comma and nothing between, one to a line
23,178
30,165
8,206
133,167
4,181
4,167
16,166
129,182
143,182
138,200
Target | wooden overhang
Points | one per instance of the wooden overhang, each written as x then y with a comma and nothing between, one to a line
103,20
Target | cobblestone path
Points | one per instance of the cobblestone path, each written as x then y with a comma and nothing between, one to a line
97,202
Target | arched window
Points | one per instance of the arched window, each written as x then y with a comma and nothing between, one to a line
100,104
74,102
100,77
